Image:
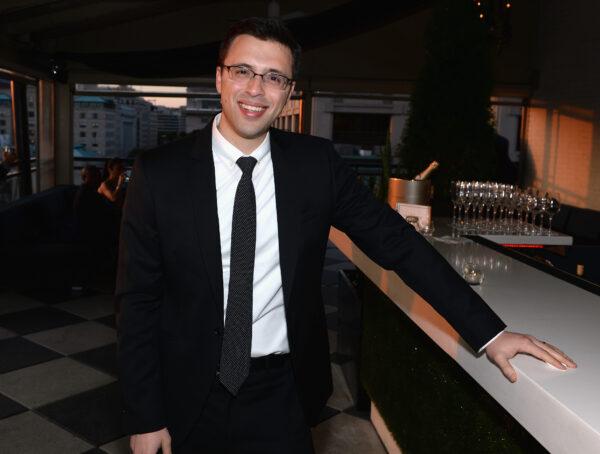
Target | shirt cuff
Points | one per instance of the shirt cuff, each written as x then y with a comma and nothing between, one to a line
490,341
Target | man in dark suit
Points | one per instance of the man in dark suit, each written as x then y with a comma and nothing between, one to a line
223,340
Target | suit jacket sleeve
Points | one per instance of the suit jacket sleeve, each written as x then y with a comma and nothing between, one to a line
139,292
394,244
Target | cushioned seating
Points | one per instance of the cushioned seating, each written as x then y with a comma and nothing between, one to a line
39,241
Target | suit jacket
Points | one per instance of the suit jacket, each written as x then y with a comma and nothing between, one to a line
170,279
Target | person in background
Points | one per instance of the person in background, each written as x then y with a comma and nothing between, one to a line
4,169
113,187
6,163
97,224
89,206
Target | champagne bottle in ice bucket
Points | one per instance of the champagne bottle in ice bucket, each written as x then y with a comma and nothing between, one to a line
417,191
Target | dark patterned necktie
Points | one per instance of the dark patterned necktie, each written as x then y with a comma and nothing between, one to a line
237,335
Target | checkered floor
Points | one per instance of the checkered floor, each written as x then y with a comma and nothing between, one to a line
58,382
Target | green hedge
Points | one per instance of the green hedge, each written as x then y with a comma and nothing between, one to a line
429,403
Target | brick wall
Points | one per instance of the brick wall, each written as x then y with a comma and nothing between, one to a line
562,129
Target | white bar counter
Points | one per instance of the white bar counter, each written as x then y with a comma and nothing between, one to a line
561,409
556,239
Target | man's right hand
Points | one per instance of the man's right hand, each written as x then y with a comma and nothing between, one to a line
150,443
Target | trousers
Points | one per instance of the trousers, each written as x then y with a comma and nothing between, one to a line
265,417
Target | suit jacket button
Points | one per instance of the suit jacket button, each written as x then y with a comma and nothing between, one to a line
217,332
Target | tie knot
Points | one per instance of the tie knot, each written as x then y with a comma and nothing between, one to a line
247,164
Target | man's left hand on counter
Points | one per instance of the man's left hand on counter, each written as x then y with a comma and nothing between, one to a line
507,345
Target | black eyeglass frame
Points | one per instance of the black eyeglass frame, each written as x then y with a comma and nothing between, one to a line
288,81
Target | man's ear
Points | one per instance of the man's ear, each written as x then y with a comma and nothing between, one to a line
218,79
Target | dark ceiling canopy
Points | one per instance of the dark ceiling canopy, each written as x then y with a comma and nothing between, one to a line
340,22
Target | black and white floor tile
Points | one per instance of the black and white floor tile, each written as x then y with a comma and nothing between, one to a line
58,376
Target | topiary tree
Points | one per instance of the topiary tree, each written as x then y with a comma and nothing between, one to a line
386,164
450,118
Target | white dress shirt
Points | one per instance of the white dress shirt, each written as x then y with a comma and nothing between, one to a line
269,329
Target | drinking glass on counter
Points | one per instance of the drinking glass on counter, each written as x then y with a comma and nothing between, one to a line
472,274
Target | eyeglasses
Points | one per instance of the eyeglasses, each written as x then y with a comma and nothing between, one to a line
243,74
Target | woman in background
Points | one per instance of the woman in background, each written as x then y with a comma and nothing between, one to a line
112,187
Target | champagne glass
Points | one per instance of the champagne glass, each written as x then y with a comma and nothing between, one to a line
454,190
543,208
468,200
462,198
512,196
495,202
502,196
476,202
509,206
520,207
537,209
482,203
552,208
488,197
532,207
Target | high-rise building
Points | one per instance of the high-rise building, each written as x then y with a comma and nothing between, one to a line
114,125
170,123
198,110
95,125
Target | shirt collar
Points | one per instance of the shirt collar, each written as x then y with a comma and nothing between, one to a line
229,153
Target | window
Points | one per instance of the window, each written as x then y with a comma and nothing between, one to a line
124,122
6,136
9,141
82,125
360,130
32,113
82,134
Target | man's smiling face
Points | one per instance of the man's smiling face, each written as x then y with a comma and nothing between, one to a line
249,108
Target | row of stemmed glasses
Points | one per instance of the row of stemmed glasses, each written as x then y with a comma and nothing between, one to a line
541,204
492,207
479,205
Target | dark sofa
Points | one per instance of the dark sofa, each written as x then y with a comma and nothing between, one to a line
41,243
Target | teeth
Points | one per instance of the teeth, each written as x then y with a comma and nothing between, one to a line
252,108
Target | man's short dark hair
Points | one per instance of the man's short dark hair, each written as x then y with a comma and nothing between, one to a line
267,29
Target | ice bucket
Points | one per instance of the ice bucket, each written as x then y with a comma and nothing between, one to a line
417,192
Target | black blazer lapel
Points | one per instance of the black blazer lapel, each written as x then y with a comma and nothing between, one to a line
203,194
287,183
